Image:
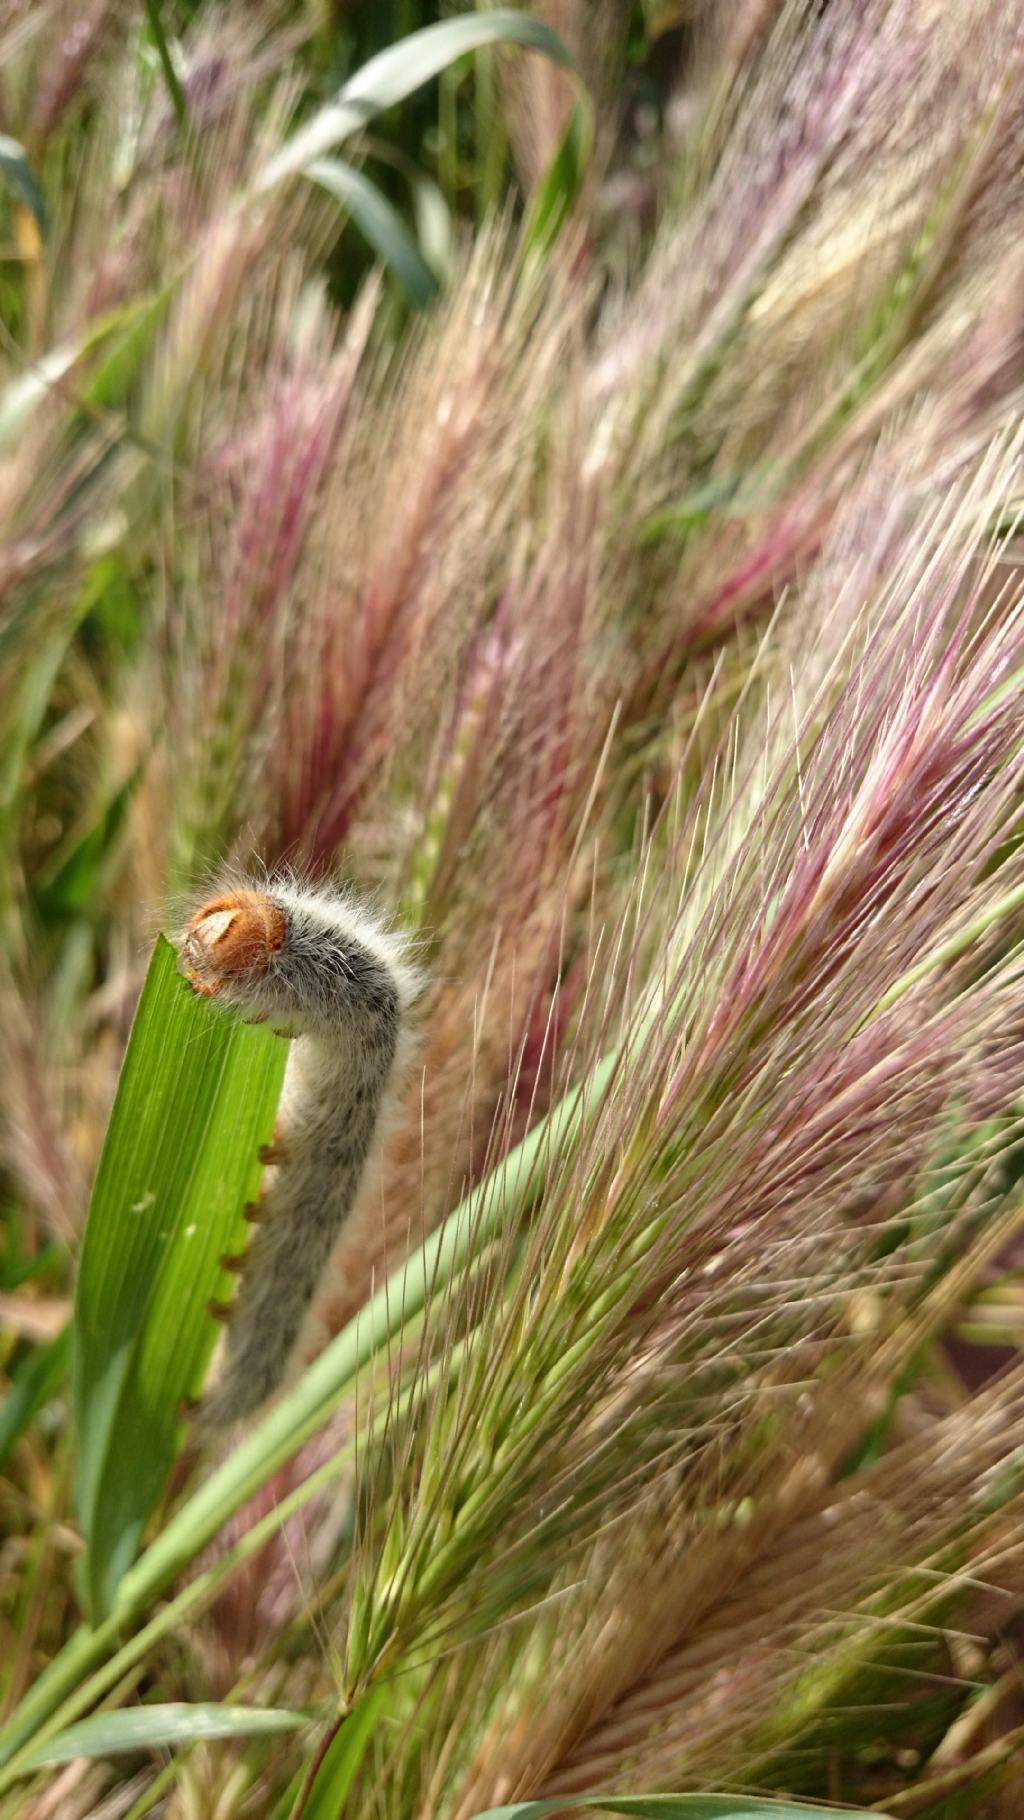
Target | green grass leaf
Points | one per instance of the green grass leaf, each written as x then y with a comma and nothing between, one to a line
176,1723
330,1790
197,1096
381,224
300,1411
673,1807
397,73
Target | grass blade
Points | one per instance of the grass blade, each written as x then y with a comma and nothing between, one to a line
197,1095
324,1793
380,223
398,72
175,1723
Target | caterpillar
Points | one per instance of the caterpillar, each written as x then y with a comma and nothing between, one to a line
322,970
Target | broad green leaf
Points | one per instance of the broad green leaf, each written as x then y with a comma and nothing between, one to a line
398,72
16,168
146,1727
382,225
674,1807
196,1098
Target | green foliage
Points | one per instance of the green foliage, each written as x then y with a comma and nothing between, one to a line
398,72
382,225
386,81
141,1728
601,616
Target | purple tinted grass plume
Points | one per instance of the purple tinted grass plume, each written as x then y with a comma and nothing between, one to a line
420,517
645,644
267,484
830,992
65,77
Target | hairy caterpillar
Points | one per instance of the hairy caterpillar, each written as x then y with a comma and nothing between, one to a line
319,968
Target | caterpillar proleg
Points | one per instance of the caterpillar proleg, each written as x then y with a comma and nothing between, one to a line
317,966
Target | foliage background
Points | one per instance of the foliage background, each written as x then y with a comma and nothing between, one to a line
624,583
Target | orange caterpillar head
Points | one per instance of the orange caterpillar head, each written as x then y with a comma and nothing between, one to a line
230,938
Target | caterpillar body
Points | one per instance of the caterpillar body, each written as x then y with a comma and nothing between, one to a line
317,967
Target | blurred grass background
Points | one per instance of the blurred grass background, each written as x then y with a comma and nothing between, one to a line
583,508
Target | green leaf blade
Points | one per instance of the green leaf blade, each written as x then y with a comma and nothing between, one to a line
197,1096
336,1773
381,225
174,1723
398,72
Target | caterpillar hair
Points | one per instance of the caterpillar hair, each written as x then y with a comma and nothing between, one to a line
318,967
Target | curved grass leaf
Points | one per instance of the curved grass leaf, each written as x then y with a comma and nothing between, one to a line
196,1097
674,1807
150,1727
397,73
381,224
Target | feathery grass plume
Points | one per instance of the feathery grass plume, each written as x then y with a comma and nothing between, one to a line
66,80
775,86
744,1244
457,601
507,792
231,670
90,431
800,296
466,470
35,1144
419,529
803,517
865,1595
